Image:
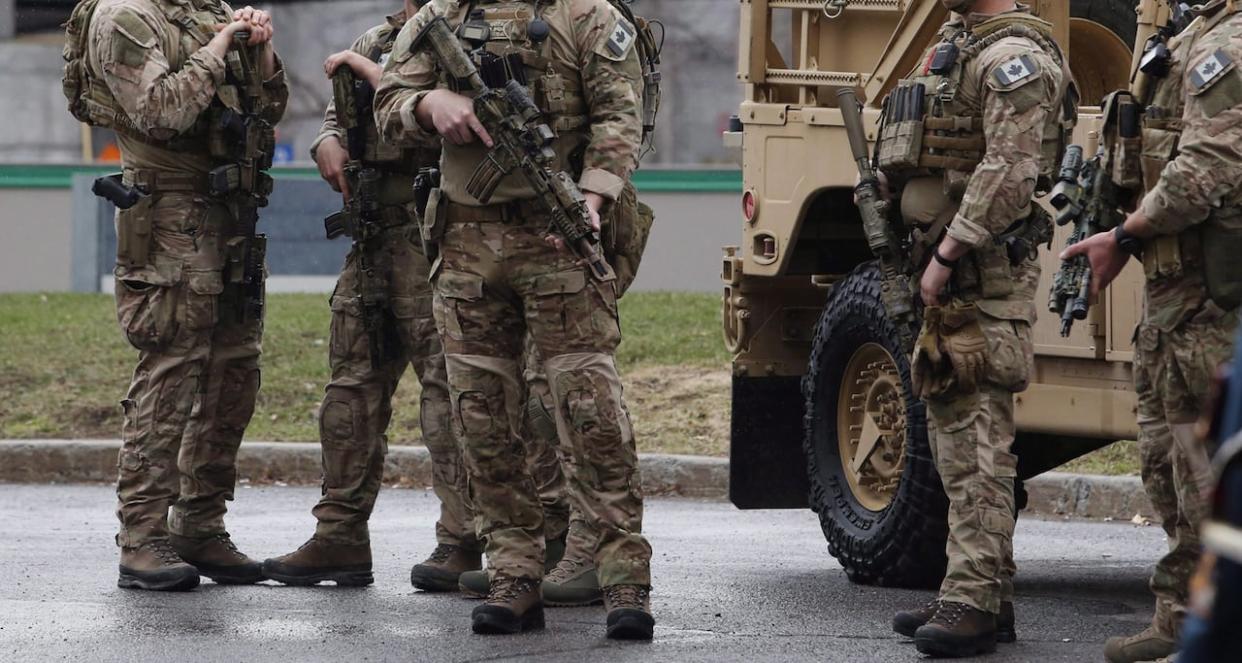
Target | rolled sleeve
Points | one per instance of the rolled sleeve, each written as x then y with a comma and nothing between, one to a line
600,181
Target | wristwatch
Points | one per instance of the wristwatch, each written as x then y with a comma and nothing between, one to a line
951,264
1128,243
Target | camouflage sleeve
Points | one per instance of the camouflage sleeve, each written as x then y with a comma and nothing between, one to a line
361,45
1020,85
612,86
1208,167
276,93
125,42
407,78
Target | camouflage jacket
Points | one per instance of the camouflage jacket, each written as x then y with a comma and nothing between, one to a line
161,76
376,44
591,56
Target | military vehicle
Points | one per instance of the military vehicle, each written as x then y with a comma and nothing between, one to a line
822,408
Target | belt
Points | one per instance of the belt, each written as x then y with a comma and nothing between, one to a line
165,181
514,213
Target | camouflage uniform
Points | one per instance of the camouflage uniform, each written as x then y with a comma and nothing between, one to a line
194,389
1191,163
499,278
1007,88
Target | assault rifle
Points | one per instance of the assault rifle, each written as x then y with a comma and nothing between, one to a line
360,218
246,141
523,142
876,214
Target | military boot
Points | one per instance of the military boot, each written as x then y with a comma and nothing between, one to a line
572,583
629,612
513,605
440,572
907,622
1147,645
474,584
217,558
957,630
154,565
319,561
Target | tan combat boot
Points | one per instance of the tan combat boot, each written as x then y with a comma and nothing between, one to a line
572,583
217,558
320,561
474,584
907,622
629,612
1147,645
513,605
957,630
154,565
441,571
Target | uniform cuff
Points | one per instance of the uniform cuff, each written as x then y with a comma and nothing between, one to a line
1160,217
277,79
321,138
968,232
602,182
409,121
212,63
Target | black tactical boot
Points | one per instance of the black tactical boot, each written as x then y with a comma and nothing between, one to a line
957,630
629,612
217,558
154,565
440,572
474,584
513,605
907,622
319,561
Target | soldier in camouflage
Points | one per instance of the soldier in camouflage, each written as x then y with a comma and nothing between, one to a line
156,71
499,277
1187,230
993,89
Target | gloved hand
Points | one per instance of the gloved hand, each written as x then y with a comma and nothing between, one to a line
962,339
928,359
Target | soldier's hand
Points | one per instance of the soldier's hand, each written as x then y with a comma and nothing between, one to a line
595,203
935,278
1106,258
451,116
331,158
362,66
261,29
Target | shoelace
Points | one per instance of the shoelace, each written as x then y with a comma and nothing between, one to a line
565,569
165,552
506,589
441,554
228,543
949,612
626,596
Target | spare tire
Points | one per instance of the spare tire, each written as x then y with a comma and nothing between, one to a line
873,482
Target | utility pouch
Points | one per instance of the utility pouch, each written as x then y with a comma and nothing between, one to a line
234,272
1159,146
901,138
627,225
1222,244
1128,147
133,234
1162,257
224,180
432,222
995,272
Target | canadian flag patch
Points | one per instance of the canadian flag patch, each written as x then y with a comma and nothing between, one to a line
1208,70
1016,71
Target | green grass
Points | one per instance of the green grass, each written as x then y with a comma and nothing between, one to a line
64,365
1120,458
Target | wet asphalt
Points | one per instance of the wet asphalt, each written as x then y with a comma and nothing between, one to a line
729,586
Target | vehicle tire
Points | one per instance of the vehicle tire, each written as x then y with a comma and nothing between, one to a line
884,516
1102,35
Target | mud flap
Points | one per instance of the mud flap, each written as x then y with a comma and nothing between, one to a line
767,468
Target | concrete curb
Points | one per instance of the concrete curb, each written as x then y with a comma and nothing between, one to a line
298,463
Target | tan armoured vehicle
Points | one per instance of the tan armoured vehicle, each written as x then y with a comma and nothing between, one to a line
822,410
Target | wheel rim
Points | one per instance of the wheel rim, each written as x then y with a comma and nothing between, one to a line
1100,59
871,426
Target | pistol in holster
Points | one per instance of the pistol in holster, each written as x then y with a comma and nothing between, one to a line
133,222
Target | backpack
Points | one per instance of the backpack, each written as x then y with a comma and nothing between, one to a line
89,100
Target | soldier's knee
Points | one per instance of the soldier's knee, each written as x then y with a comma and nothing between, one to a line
434,419
238,395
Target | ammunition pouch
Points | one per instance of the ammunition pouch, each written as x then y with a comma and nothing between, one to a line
627,226
1159,147
233,178
1222,245
901,145
348,222
952,143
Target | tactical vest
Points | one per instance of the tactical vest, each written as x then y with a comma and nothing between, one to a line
939,132
390,158
1208,251
89,98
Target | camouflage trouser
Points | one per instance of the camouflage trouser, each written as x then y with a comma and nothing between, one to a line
498,281
357,404
543,447
194,389
1172,375
971,435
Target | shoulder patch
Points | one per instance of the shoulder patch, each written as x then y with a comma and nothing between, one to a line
618,39
132,27
1014,73
1208,71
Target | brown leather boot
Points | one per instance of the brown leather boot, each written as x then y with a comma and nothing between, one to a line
440,571
1147,645
629,612
907,622
217,558
155,566
319,561
957,630
513,605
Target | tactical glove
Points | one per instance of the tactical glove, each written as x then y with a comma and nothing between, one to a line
928,359
962,339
